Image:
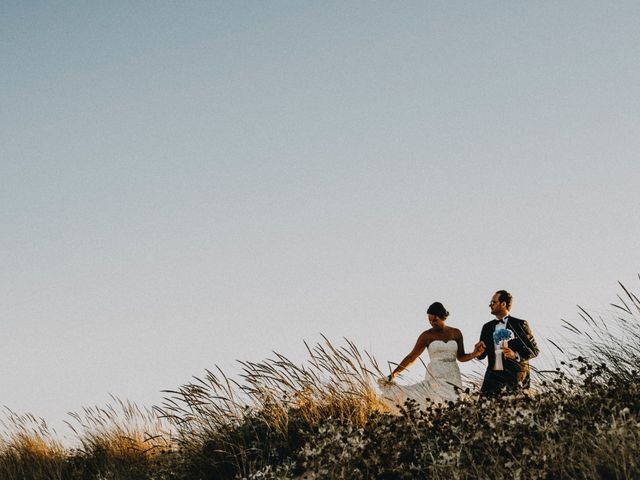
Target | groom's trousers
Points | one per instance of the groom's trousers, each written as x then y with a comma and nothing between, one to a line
498,380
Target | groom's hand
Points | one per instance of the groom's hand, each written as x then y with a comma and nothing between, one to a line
508,353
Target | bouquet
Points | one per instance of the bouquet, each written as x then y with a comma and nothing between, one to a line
500,339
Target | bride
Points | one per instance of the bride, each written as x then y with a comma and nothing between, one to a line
442,380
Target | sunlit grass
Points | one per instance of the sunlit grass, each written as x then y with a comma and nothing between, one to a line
121,428
29,448
115,441
237,426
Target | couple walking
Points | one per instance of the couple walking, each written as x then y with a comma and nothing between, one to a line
506,341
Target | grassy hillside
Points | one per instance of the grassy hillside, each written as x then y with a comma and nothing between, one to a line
324,420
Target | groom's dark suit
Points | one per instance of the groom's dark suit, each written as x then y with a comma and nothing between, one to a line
516,372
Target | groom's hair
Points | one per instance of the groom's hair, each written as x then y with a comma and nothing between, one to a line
504,296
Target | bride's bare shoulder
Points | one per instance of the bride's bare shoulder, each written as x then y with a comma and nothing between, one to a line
456,333
426,334
431,332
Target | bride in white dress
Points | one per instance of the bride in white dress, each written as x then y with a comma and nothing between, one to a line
442,380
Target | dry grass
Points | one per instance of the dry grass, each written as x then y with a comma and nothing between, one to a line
220,419
112,442
213,427
29,449
121,430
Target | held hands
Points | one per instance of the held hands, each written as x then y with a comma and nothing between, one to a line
479,348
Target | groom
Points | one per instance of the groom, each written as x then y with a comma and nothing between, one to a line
521,348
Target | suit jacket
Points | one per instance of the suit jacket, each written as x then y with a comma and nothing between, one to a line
522,343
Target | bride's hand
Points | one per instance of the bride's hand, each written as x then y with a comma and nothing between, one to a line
383,381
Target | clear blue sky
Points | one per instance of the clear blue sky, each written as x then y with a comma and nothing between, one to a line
183,184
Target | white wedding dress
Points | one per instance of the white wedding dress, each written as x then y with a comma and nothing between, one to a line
440,382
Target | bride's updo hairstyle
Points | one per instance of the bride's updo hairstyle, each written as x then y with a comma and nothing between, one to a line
438,310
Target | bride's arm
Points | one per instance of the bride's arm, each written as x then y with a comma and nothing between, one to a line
465,357
421,344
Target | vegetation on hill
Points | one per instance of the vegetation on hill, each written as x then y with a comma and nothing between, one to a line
323,420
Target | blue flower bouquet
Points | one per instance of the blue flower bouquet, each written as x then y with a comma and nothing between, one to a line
502,335
500,339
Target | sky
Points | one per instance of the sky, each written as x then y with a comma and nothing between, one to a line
185,184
